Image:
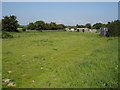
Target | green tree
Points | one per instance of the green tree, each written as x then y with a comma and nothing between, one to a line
77,25
60,26
24,28
39,25
104,25
53,25
31,26
47,26
80,26
9,23
114,28
97,25
88,26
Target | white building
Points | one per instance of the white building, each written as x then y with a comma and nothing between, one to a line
67,29
92,30
86,30
72,29
83,29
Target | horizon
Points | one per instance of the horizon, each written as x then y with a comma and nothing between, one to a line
67,13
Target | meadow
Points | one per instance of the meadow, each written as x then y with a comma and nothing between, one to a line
59,59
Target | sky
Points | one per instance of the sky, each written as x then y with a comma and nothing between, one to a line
60,0
68,13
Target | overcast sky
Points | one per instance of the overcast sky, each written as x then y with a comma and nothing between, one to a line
68,13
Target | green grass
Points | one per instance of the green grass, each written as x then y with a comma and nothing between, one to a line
60,60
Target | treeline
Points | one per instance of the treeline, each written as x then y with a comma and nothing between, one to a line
10,24
113,27
88,25
41,25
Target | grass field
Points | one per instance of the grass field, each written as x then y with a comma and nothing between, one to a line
60,60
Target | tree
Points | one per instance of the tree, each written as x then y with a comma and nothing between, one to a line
47,26
97,25
113,28
77,25
6,35
60,26
20,26
39,25
53,25
31,26
9,23
24,28
88,26
80,26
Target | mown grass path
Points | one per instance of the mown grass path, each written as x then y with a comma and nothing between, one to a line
60,60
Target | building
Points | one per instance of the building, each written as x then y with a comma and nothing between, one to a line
103,31
67,29
83,29
72,29
93,30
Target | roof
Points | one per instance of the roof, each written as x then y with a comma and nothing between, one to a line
82,28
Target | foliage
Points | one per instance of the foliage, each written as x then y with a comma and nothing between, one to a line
60,26
88,26
20,26
114,28
74,27
97,30
9,23
80,26
47,26
41,25
97,25
31,26
53,26
24,29
6,35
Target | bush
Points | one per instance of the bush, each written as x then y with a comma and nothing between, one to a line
23,29
113,28
98,31
9,24
6,35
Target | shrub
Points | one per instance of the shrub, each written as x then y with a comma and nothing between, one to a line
23,29
6,35
113,28
98,31
9,24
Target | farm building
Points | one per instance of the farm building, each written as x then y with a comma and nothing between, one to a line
86,30
92,30
83,29
72,29
103,31
67,29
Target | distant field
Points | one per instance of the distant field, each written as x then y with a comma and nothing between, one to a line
60,60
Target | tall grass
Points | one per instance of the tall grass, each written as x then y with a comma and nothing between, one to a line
61,60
